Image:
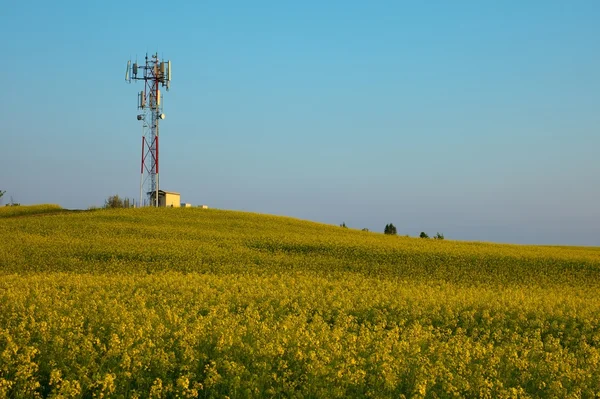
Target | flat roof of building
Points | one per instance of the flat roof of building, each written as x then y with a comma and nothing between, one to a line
164,192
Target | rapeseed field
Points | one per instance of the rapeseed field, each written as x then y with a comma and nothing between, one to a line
197,303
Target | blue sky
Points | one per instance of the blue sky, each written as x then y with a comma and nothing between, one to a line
477,119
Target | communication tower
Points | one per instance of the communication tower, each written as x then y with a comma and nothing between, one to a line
155,73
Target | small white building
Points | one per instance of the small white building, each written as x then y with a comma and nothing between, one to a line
169,199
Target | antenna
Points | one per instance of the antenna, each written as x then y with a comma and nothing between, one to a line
127,72
153,73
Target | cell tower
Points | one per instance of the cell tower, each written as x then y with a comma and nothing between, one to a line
155,73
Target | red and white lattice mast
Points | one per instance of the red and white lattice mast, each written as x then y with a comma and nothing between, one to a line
155,73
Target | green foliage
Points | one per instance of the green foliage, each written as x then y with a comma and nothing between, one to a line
343,225
390,229
114,201
206,303
438,236
423,235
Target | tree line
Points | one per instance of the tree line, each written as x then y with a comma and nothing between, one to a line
390,229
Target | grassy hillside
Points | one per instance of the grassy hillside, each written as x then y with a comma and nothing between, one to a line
207,303
12,211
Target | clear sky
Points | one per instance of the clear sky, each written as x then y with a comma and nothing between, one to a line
477,119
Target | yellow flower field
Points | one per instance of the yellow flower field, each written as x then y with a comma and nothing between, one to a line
208,303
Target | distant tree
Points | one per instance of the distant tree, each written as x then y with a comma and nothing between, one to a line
114,201
423,235
438,236
365,229
390,229
1,194
343,225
